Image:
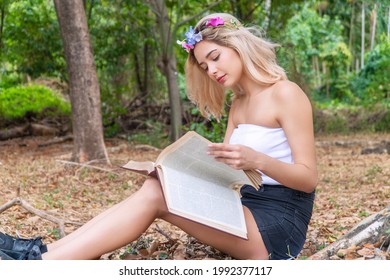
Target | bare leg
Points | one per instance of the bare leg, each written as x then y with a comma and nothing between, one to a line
126,221
85,227
112,229
252,248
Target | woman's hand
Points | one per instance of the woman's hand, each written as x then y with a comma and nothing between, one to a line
236,156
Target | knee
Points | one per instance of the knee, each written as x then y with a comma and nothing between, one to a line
152,192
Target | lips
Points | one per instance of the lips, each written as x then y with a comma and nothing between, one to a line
221,79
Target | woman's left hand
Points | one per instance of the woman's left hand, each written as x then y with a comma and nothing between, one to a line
236,156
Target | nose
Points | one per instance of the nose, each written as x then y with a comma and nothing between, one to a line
212,71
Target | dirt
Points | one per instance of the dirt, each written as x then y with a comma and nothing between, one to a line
352,186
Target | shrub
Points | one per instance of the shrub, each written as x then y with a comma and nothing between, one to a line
372,83
342,118
32,100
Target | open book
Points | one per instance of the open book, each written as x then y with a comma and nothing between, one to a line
198,187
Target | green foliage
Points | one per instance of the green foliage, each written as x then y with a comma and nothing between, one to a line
156,135
337,117
9,80
311,42
31,39
320,43
212,129
55,232
372,83
22,101
125,52
111,130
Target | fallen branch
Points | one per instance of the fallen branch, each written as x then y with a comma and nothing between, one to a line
15,132
146,147
35,129
21,202
159,230
57,140
368,230
87,165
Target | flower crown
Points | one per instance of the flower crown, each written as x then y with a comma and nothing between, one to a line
192,38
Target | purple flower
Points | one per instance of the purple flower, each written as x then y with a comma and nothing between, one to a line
193,38
215,21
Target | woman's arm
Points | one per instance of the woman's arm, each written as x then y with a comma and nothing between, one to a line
230,125
294,114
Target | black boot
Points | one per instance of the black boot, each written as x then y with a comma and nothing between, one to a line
32,254
10,243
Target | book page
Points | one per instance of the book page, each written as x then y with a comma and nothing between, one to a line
199,187
141,167
191,158
202,200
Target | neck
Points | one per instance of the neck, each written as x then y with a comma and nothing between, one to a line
251,87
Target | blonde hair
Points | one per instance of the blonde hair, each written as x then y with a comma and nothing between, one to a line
255,52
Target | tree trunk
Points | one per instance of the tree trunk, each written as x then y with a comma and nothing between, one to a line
167,65
316,69
267,10
83,82
362,47
351,37
370,229
2,18
174,97
373,26
388,21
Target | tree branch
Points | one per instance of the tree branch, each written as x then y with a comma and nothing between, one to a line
86,165
199,14
371,227
19,201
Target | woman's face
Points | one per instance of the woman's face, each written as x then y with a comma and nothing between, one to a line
222,64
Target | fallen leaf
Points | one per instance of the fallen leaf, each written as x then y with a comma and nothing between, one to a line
153,247
366,252
179,253
33,219
369,246
132,257
144,252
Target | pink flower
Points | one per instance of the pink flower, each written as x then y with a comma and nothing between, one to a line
187,46
215,21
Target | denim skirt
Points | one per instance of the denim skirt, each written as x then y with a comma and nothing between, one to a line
282,216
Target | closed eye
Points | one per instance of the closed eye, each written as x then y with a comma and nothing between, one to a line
216,58
204,65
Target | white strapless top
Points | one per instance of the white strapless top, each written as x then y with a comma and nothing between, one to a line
269,141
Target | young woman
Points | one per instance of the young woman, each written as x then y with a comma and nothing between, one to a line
269,129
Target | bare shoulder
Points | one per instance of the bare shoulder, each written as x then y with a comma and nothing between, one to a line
291,103
288,91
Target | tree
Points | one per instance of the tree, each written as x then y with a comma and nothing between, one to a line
125,52
373,18
312,42
167,27
83,83
363,27
167,64
31,41
3,5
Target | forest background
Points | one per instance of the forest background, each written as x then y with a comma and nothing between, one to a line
337,51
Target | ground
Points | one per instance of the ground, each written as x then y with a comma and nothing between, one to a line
352,185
